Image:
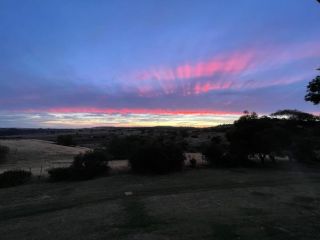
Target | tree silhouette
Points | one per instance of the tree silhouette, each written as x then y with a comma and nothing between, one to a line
293,114
313,91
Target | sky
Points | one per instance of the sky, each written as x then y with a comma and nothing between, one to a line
79,63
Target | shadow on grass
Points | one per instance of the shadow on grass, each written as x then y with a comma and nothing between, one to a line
224,232
136,219
253,211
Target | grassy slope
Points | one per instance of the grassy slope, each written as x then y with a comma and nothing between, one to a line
32,153
199,204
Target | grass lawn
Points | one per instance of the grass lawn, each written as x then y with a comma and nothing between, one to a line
194,204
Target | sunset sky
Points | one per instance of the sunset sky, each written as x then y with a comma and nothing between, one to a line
73,63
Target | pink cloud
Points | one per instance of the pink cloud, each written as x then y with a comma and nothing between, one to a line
189,78
235,63
222,72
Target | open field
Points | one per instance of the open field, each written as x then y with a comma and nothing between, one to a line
194,204
40,155
36,154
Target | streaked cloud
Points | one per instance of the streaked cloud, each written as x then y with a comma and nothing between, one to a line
186,64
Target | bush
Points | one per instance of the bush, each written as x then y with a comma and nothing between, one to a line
14,178
193,163
65,140
90,164
3,152
157,157
219,154
85,166
214,153
304,150
124,147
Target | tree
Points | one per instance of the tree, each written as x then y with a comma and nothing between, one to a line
313,91
252,136
85,166
295,115
215,152
157,157
125,147
90,164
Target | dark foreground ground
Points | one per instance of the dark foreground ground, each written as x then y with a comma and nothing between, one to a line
195,204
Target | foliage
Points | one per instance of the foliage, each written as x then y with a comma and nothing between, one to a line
3,152
303,150
264,138
215,152
313,91
85,166
157,157
184,133
65,140
90,164
124,147
295,115
193,163
252,136
14,178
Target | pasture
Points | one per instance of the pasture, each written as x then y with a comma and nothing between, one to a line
194,204
37,155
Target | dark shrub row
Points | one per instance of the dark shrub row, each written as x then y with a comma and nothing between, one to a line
65,140
265,138
3,152
14,178
157,157
85,166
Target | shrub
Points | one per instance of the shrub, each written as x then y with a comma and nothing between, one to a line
65,140
304,150
85,166
214,153
90,164
218,154
193,163
14,178
184,133
124,147
3,152
157,157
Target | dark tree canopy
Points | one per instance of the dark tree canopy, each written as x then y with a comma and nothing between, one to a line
3,152
313,91
157,157
294,114
65,140
254,136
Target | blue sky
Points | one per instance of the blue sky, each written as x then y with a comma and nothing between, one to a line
145,63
